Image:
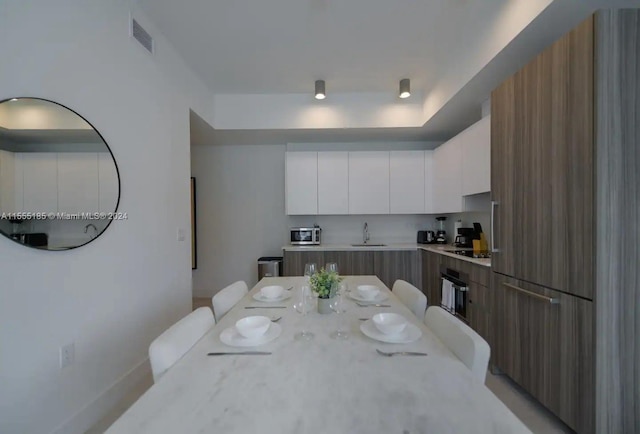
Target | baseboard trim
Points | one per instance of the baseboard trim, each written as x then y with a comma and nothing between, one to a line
93,412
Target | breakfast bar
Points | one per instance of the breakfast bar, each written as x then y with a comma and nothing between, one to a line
322,385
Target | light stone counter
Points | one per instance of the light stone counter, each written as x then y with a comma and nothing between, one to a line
437,248
319,386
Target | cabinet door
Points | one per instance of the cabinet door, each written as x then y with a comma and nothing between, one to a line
431,283
78,189
351,263
503,174
333,183
429,183
40,181
301,183
476,158
390,266
543,167
448,177
108,183
406,182
368,182
294,261
546,347
479,311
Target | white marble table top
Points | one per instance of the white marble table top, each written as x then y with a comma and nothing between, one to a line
318,386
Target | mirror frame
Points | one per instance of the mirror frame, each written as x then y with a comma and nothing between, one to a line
113,158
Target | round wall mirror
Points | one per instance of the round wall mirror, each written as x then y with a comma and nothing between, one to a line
59,182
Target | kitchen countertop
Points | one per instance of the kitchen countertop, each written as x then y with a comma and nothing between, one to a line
436,248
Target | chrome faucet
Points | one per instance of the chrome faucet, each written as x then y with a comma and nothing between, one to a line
365,233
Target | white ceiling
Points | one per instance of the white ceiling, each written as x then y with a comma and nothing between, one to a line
454,51
282,46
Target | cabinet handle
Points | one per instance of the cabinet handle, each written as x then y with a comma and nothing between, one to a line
533,294
493,229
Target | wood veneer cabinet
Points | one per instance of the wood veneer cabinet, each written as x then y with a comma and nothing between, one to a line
543,193
391,265
542,167
543,340
431,283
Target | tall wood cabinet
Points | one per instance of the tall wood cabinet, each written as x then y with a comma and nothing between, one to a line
542,187
542,140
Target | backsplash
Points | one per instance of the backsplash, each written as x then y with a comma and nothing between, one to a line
347,229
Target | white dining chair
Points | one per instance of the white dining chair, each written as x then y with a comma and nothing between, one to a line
466,344
171,345
411,297
227,297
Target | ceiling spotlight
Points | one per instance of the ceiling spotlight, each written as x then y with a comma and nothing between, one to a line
405,90
320,91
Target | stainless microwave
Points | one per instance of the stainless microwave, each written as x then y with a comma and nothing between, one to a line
305,236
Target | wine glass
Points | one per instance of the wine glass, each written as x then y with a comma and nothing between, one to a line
331,267
303,307
339,306
309,270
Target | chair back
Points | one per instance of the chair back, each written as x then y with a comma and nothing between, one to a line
171,345
227,297
466,344
411,297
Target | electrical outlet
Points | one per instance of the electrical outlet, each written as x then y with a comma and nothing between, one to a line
67,355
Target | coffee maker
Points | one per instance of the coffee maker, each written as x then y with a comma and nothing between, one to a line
441,234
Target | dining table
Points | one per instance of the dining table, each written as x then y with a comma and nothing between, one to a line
320,385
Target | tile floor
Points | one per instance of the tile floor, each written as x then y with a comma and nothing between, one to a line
529,411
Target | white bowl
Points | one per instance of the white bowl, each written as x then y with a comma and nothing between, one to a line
368,292
253,326
273,291
389,323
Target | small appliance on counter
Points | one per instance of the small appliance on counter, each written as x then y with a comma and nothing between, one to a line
441,235
426,237
305,236
465,237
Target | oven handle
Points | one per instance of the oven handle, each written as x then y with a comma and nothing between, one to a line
456,282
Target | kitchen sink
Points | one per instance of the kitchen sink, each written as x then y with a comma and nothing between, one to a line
368,245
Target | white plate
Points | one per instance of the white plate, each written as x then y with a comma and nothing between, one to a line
258,296
231,337
377,299
409,334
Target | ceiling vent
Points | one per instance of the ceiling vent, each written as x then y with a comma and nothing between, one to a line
141,36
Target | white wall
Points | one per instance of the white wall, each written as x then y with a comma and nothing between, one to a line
240,212
113,296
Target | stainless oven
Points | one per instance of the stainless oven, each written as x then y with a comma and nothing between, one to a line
455,291
305,236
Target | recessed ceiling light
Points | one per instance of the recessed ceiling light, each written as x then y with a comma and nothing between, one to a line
405,88
320,90
13,99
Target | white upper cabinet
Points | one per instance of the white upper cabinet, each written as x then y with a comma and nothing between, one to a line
78,182
40,181
448,177
301,183
476,158
107,182
429,181
369,182
333,183
406,182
